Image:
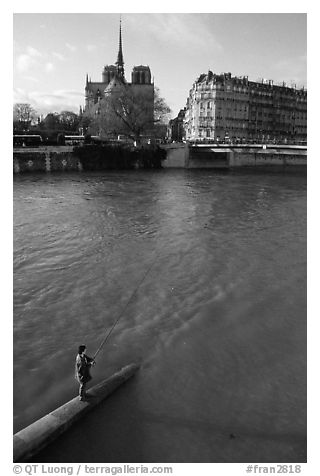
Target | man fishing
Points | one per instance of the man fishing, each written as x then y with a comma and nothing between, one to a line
82,370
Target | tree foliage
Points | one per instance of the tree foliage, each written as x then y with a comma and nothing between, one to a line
69,120
50,122
162,111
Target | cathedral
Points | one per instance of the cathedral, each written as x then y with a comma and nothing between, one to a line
114,84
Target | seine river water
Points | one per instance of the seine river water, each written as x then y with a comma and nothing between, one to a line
218,325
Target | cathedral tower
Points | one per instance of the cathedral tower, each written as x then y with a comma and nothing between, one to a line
114,84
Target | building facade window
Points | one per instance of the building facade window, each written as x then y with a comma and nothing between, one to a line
250,108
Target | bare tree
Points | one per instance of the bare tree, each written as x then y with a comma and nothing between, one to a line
134,111
24,114
130,112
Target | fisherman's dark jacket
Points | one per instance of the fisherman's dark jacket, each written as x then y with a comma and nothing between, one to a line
82,370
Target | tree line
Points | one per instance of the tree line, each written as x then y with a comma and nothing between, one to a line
126,113
26,120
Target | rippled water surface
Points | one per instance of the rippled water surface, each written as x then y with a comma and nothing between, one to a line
218,323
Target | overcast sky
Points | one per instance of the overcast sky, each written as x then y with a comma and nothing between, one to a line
53,52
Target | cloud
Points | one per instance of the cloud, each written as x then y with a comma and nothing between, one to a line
177,30
292,70
91,47
59,56
31,78
46,102
27,60
24,63
49,67
71,47
68,92
33,52
20,95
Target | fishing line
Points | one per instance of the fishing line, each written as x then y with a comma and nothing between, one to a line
122,311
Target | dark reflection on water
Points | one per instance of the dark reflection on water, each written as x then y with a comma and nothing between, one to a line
218,325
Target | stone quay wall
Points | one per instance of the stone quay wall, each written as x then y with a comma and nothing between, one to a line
182,155
45,159
86,158
64,158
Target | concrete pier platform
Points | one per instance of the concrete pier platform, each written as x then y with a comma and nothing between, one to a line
33,438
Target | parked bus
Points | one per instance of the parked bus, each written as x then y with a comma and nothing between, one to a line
26,140
74,140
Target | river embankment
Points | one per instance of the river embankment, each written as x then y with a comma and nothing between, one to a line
85,158
186,156
30,440
235,157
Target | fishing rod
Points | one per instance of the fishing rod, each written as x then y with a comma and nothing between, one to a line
122,311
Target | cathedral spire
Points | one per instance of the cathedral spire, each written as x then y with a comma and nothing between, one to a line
119,62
